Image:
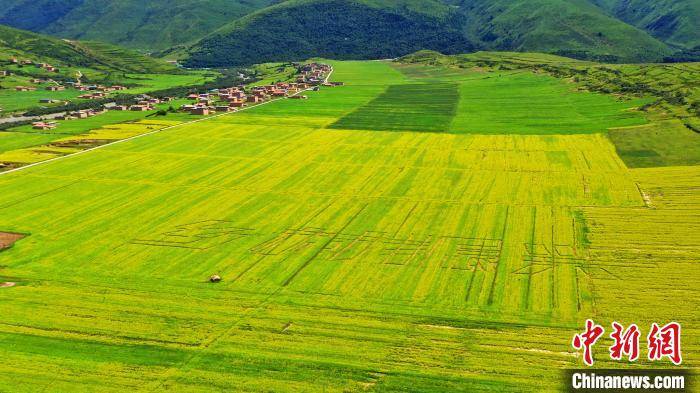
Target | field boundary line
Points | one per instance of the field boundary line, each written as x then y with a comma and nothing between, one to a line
157,131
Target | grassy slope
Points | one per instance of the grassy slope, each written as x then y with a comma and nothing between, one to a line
93,55
153,24
574,28
352,260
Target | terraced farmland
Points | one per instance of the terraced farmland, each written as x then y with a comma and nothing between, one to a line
420,255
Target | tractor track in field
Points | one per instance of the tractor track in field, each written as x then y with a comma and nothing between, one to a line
159,130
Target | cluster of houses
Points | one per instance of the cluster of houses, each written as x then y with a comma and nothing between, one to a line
93,92
45,66
82,114
144,103
96,92
231,99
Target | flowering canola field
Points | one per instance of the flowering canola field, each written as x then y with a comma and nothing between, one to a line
379,236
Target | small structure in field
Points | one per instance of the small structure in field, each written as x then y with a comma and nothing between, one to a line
40,125
202,111
215,278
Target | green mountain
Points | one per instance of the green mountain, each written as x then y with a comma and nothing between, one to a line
150,25
341,29
574,28
232,32
676,22
299,29
98,56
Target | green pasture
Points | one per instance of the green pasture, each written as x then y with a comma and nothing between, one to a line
532,104
143,83
418,107
11,100
661,143
468,102
352,260
25,137
18,140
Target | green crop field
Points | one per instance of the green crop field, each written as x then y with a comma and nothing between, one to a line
410,231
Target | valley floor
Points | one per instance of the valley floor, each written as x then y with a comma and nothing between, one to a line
406,232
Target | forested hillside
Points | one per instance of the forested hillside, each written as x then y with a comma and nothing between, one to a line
299,29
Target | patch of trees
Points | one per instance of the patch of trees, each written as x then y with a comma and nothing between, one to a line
7,126
684,56
122,99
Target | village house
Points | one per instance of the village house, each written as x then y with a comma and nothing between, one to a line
24,88
55,88
40,125
140,108
237,104
223,108
119,88
255,99
80,114
3,73
120,108
202,111
260,98
299,97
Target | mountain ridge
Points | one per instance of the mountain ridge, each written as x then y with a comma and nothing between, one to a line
235,32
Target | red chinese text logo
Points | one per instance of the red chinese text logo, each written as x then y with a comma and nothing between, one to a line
663,342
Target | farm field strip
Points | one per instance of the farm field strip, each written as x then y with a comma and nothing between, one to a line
400,105
351,259
42,159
